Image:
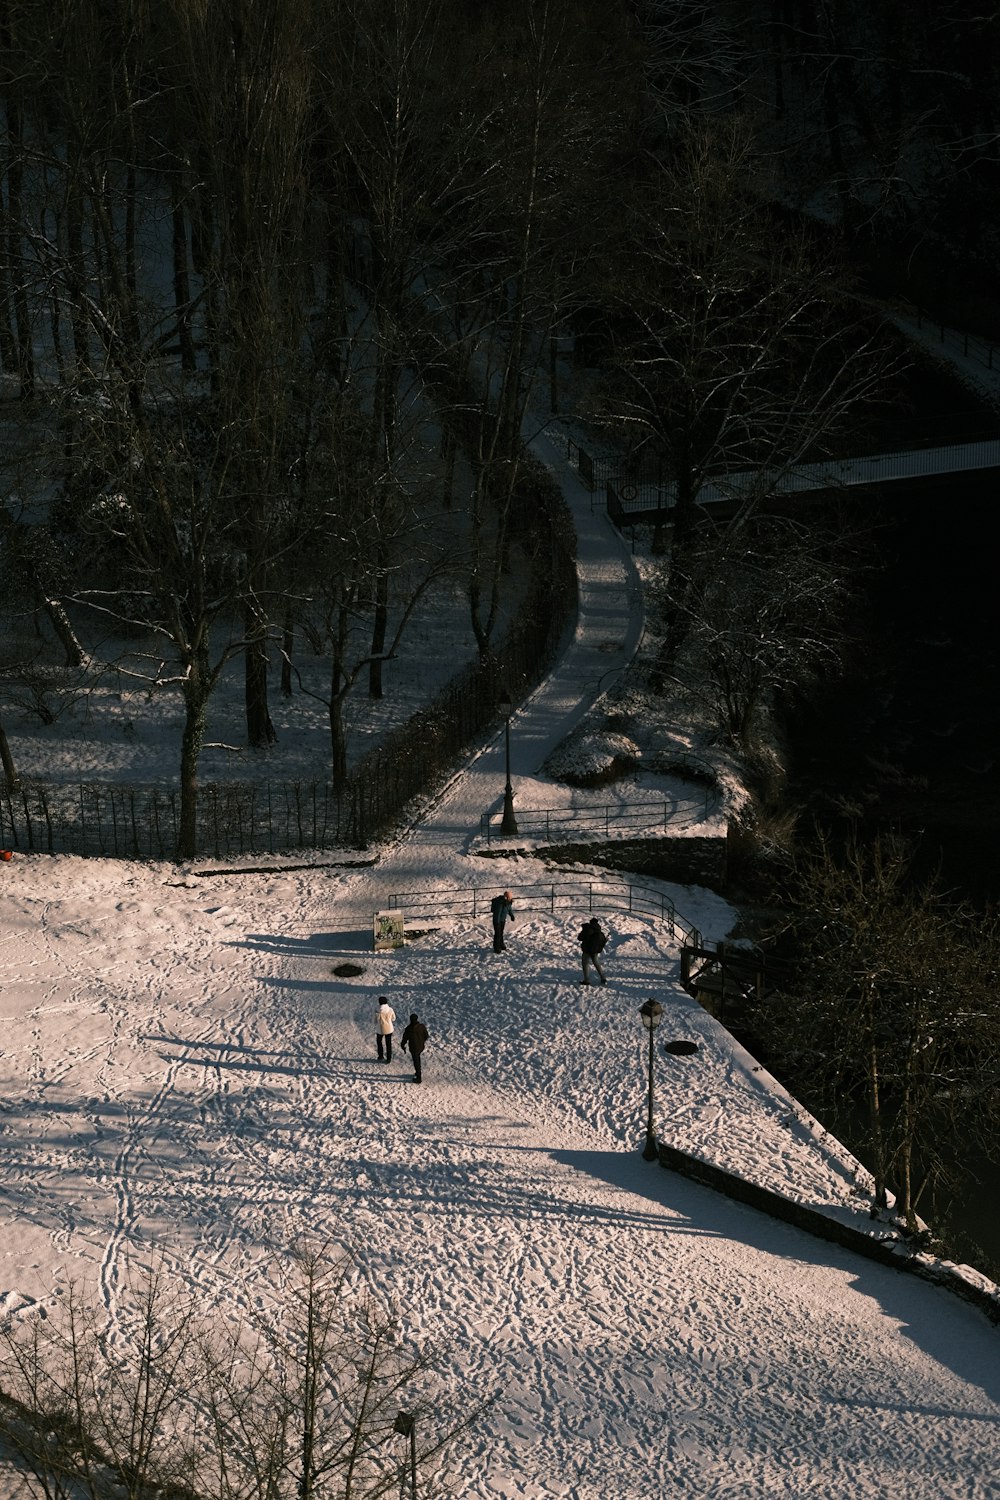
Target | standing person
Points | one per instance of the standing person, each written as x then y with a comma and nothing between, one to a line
592,942
384,1022
502,909
414,1037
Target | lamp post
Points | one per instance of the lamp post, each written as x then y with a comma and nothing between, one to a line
406,1426
508,823
651,1013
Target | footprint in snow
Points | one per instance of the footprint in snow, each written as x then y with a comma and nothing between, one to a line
15,1302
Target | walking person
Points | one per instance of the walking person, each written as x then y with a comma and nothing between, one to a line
415,1037
502,911
592,943
385,1020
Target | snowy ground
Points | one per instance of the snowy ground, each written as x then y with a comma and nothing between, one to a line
182,1076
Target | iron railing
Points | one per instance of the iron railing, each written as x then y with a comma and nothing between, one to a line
577,896
642,817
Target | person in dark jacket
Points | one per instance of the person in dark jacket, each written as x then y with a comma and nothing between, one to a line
415,1037
592,941
502,910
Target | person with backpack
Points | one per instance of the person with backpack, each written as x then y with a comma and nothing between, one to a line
414,1037
502,910
592,941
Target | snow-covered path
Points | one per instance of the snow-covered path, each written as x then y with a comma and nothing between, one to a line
183,1074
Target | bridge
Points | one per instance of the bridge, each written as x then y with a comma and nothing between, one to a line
633,500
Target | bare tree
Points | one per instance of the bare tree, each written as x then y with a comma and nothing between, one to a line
166,555
242,74
769,613
893,1003
298,1407
372,540
7,763
736,353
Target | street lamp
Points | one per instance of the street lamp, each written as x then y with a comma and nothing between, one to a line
406,1426
508,823
652,1014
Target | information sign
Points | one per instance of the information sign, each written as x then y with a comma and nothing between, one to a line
388,930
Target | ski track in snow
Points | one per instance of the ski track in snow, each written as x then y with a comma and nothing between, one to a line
211,1096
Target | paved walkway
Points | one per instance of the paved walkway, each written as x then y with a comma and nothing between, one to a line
607,633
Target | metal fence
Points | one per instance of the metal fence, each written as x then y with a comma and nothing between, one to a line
642,817
644,467
128,821
970,344
594,472
569,896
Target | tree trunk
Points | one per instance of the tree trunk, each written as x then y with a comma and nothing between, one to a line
338,740
10,776
182,286
205,262
74,242
22,322
196,695
287,648
379,630
875,1117
59,620
338,692
260,730
553,374
131,309
679,578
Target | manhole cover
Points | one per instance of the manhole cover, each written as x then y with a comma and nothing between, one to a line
680,1048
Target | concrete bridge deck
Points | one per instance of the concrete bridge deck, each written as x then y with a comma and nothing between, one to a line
631,502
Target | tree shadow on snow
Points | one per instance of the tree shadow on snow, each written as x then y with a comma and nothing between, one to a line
325,943
954,1333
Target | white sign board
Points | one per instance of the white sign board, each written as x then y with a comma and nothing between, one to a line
388,930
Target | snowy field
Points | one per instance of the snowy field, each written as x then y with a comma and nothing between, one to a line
111,725
185,1081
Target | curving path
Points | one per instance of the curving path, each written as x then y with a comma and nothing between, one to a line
184,1079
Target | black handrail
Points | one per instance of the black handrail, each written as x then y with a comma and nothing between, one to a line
643,816
474,901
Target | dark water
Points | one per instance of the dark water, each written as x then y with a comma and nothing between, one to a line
911,737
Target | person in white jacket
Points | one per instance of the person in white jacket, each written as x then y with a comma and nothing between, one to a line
384,1022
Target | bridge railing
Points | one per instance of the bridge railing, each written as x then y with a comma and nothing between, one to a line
654,816
972,345
628,502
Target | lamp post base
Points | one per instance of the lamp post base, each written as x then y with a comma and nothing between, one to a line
651,1151
508,823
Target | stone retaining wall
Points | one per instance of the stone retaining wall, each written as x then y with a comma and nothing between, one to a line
686,861
896,1252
